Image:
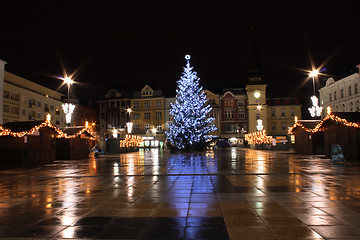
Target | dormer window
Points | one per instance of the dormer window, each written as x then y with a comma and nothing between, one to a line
146,91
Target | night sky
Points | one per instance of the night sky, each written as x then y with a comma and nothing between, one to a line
131,45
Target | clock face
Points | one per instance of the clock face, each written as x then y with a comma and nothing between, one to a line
257,94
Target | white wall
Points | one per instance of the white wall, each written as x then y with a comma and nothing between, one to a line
2,70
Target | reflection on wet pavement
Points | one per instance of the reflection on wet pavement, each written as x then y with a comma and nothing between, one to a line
152,194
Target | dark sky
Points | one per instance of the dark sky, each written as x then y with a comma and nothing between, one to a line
136,44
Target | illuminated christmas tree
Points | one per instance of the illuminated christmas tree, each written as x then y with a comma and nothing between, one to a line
190,124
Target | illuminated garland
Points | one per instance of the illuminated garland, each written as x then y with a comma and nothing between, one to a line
319,126
47,123
131,141
258,137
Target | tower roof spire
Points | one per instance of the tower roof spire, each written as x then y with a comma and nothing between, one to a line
255,72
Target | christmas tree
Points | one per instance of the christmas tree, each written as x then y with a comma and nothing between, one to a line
190,123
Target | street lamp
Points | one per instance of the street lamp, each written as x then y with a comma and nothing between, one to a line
315,110
68,108
259,125
129,124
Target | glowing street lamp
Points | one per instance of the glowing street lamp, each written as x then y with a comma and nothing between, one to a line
129,124
68,107
315,110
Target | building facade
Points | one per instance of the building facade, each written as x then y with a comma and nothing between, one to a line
233,115
24,100
342,95
281,113
214,101
148,114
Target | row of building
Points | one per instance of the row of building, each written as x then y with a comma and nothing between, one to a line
236,112
24,100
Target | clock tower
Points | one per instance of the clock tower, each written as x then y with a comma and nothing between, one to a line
256,93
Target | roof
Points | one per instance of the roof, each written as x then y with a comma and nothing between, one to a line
156,93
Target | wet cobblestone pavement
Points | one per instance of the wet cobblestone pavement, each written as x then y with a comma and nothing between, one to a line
223,194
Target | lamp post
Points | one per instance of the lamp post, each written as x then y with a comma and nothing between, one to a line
315,110
129,124
68,108
154,133
259,126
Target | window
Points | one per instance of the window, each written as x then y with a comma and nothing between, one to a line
349,90
342,93
147,104
6,108
283,112
147,126
211,114
38,115
57,112
257,115
335,97
147,115
292,112
38,103
241,103
6,94
229,102
330,97
229,114
241,114
351,106
136,116
14,110
230,128
283,126
23,112
273,112
158,127
57,122
158,114
355,89
158,103
112,104
46,107
273,126
136,105
136,128
212,102
52,107
146,93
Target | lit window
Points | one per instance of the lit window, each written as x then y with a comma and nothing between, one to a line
158,127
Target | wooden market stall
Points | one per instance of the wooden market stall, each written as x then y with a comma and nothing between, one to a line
319,137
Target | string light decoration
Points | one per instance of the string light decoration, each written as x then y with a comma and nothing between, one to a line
131,141
46,124
320,126
258,137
